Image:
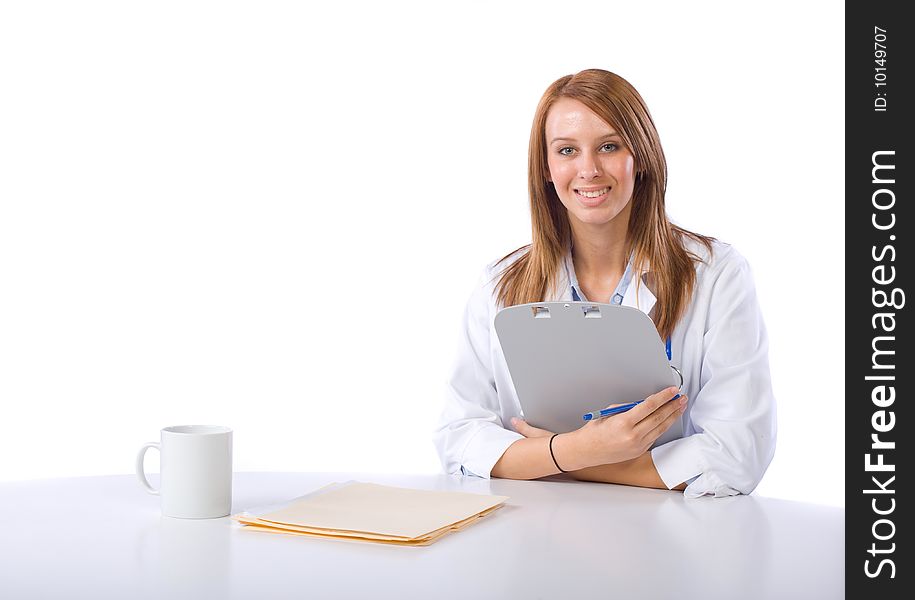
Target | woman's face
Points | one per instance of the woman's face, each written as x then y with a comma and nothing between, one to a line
592,170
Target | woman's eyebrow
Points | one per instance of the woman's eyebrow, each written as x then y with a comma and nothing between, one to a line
566,139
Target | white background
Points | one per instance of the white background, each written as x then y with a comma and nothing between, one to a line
269,215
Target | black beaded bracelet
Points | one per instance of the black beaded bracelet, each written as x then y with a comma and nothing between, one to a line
554,456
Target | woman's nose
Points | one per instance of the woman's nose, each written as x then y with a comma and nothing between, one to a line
589,167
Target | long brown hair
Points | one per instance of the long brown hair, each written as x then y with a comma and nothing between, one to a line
655,242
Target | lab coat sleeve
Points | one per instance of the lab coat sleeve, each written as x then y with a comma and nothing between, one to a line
471,437
733,412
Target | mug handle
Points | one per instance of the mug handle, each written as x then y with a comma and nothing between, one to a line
141,474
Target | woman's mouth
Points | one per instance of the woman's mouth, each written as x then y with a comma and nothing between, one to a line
592,197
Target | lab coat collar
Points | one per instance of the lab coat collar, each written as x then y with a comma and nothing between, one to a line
641,298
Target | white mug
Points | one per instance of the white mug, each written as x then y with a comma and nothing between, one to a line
196,471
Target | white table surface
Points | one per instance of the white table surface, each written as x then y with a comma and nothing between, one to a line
103,537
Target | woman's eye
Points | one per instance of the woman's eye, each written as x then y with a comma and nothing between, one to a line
608,147
566,151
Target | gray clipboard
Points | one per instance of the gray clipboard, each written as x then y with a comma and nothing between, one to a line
571,358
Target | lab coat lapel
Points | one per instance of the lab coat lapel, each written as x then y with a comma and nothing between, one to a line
644,300
563,291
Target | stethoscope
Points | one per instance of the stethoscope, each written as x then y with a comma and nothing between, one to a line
667,349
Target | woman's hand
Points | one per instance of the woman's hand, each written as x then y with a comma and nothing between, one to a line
628,435
522,427
616,438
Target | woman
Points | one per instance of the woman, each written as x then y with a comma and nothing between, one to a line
597,178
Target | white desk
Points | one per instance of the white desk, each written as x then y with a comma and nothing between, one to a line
103,537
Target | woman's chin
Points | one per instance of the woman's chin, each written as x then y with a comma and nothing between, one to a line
595,217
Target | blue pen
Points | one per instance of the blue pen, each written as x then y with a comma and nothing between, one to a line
615,410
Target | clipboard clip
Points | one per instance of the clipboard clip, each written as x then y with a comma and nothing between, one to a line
541,312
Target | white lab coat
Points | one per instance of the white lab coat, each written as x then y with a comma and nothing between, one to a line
720,346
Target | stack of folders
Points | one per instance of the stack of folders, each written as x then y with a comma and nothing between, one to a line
369,512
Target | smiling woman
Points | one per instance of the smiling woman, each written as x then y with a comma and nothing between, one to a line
588,160
597,179
590,131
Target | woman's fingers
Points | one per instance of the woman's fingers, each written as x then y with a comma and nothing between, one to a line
651,404
522,427
629,434
662,419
